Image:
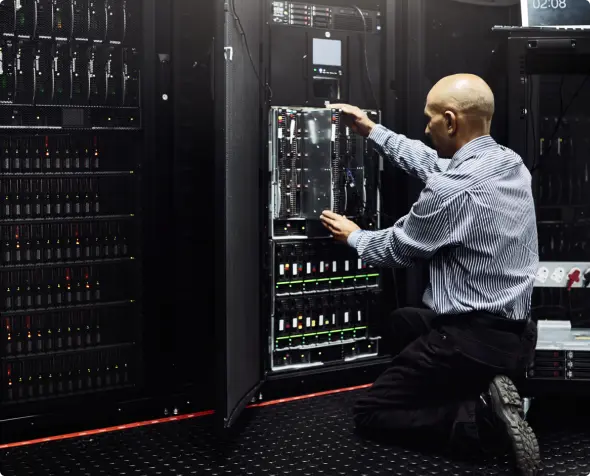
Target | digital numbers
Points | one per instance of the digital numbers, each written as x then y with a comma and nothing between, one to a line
549,4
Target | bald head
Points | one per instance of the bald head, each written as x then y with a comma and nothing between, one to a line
460,108
464,93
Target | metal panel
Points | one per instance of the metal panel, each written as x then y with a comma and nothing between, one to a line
238,212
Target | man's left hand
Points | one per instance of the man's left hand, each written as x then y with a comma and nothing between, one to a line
340,227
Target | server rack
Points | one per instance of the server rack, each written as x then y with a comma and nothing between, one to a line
270,47
549,87
324,306
71,153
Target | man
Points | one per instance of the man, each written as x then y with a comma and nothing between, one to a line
475,223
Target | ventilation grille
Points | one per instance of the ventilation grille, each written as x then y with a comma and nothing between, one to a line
352,23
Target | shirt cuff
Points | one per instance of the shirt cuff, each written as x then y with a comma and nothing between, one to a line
353,238
379,135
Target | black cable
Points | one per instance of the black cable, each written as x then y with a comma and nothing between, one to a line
561,117
367,57
241,31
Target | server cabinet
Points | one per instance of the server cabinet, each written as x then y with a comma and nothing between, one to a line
260,232
72,152
549,85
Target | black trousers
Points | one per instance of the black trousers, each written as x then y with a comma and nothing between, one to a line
441,366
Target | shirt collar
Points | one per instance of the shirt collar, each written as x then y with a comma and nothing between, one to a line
471,148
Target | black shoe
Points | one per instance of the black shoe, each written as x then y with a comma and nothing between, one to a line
503,408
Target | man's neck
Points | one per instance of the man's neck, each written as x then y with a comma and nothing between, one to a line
462,142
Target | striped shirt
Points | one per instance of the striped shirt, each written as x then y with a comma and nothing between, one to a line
474,222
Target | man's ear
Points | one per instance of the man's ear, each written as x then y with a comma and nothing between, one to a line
451,122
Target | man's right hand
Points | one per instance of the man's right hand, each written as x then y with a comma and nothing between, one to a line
354,118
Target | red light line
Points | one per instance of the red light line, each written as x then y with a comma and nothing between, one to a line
305,397
100,431
158,421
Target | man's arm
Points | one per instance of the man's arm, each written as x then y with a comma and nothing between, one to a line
417,236
412,156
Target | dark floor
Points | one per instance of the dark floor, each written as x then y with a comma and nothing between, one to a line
308,437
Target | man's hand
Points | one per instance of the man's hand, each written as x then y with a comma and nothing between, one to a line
340,227
354,118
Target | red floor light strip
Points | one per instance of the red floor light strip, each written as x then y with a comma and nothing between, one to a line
130,426
305,397
106,430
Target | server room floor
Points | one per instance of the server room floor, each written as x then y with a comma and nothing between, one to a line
311,436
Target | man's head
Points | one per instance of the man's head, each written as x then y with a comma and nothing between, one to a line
459,109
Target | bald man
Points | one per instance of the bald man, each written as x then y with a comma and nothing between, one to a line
475,224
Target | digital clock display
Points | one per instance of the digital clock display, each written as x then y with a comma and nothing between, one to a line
556,12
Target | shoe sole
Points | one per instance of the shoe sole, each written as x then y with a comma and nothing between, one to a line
508,407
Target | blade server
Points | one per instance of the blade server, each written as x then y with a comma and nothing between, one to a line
70,155
324,299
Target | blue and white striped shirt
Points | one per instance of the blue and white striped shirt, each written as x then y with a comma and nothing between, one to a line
475,222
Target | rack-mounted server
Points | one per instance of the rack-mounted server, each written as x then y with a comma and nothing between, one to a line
71,148
324,298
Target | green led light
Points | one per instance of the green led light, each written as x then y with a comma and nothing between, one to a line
320,333
336,278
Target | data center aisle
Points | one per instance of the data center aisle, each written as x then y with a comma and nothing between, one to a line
306,437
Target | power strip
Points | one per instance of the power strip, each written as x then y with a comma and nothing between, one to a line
562,274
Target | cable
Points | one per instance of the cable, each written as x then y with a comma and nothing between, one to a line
367,57
263,86
561,117
364,204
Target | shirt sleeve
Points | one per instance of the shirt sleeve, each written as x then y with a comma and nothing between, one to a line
417,236
412,156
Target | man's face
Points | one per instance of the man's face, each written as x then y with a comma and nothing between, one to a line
440,132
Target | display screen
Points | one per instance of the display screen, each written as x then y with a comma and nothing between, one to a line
555,12
327,52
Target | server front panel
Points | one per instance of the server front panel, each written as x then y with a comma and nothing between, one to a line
325,300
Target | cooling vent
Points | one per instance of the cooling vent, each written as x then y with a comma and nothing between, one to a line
352,23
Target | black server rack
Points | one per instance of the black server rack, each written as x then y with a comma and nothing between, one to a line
308,316
324,302
549,87
325,306
71,148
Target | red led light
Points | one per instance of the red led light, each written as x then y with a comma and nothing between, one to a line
172,419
